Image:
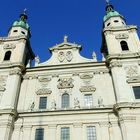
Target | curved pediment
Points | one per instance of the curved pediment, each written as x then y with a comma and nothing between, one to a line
66,53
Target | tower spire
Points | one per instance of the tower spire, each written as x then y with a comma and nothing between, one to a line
107,2
109,7
23,15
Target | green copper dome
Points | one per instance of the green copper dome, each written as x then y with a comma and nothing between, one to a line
110,12
22,22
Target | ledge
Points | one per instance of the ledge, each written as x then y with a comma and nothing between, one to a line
95,110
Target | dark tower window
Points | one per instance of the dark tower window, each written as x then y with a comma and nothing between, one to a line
124,46
15,31
23,32
108,24
116,21
7,56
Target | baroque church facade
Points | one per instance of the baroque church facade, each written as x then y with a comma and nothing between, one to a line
70,97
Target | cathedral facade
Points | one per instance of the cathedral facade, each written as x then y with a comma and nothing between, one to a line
70,97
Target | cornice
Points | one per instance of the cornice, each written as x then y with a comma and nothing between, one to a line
125,28
96,110
12,112
124,55
7,65
131,105
68,66
15,38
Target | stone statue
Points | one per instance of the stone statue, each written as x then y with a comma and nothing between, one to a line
37,60
100,101
94,56
53,105
32,106
76,103
103,58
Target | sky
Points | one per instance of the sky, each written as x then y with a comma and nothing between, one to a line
80,20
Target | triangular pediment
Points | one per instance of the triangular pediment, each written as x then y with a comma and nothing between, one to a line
65,45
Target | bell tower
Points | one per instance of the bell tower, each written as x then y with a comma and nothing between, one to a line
118,37
16,47
15,55
121,48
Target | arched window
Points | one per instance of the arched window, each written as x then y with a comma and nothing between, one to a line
124,46
7,56
65,100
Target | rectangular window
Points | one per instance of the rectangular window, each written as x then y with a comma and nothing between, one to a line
39,134
137,92
65,100
65,133
43,103
91,133
88,100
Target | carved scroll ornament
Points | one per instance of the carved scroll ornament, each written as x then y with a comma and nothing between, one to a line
65,82
87,89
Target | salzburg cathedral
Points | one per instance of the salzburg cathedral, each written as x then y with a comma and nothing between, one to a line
69,97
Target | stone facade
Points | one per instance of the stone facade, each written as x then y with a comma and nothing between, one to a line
96,94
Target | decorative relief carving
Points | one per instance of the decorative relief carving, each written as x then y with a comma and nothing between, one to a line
9,46
87,89
43,91
3,79
115,64
69,56
122,36
134,79
43,80
65,82
86,76
31,76
62,56
131,71
15,72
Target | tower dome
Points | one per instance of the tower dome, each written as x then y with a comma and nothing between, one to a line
112,17
22,22
20,27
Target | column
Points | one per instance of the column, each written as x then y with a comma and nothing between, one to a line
77,132
27,132
104,126
52,132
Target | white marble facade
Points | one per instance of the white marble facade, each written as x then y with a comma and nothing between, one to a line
100,94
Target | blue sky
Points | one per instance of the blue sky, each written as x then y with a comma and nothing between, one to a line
50,20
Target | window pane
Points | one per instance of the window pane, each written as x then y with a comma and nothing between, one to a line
39,134
65,100
91,133
136,92
88,100
65,133
43,103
